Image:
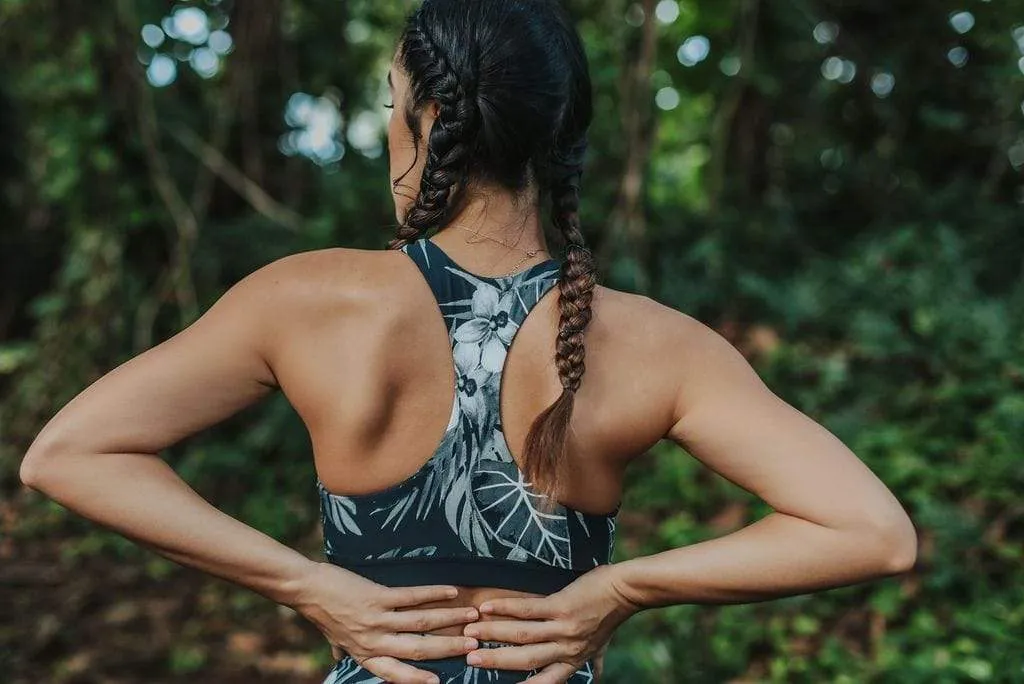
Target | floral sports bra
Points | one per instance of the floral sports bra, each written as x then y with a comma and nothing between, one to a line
467,516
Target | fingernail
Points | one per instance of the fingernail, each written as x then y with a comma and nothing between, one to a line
486,607
433,679
471,614
452,593
470,644
474,659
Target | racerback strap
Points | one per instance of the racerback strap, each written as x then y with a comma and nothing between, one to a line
481,309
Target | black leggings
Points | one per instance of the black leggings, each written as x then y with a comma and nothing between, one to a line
452,670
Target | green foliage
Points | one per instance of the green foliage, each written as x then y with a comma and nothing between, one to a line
865,249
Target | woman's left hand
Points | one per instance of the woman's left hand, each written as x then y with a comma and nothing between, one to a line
555,634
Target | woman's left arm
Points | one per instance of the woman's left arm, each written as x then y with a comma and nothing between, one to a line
833,523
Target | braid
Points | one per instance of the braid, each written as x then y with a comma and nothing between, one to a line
576,280
546,442
449,143
514,97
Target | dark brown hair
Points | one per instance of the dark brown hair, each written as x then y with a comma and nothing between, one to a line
513,88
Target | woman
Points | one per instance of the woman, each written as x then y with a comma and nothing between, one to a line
451,559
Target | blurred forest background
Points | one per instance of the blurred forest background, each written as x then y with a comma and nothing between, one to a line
837,187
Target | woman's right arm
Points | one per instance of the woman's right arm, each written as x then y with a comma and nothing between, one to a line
99,457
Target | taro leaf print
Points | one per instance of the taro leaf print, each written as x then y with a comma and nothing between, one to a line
348,671
462,514
585,675
583,522
423,497
398,552
341,511
611,537
473,675
510,510
397,510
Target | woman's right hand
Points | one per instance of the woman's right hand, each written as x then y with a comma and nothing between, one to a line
376,625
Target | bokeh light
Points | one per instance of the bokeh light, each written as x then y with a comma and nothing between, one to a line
205,62
1016,154
221,42
848,72
826,32
162,71
152,35
667,98
694,50
199,39
635,15
317,122
364,133
189,24
831,158
667,11
962,22
832,68
957,56
838,69
882,83
357,31
730,65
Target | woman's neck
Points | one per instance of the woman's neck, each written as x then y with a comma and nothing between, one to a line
494,234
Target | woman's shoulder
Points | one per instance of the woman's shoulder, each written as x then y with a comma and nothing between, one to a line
640,315
672,350
316,292
325,277
653,329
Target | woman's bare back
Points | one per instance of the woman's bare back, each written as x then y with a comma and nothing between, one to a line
365,362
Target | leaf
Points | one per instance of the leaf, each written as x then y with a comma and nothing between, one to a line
397,552
348,671
340,510
508,507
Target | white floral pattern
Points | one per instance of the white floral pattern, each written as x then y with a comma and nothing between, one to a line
483,339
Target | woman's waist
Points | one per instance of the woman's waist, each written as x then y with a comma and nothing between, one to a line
462,568
456,668
473,597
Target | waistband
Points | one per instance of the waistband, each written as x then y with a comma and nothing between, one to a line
472,571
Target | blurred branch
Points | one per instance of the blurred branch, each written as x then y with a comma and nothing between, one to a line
185,223
999,162
628,219
724,121
257,29
216,162
202,189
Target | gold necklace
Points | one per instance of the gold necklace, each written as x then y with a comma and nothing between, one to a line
527,254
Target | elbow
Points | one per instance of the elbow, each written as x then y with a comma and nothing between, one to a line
34,469
38,462
898,544
30,471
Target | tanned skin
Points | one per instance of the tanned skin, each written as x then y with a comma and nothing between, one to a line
353,340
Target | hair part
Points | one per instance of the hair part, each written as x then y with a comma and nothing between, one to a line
513,89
